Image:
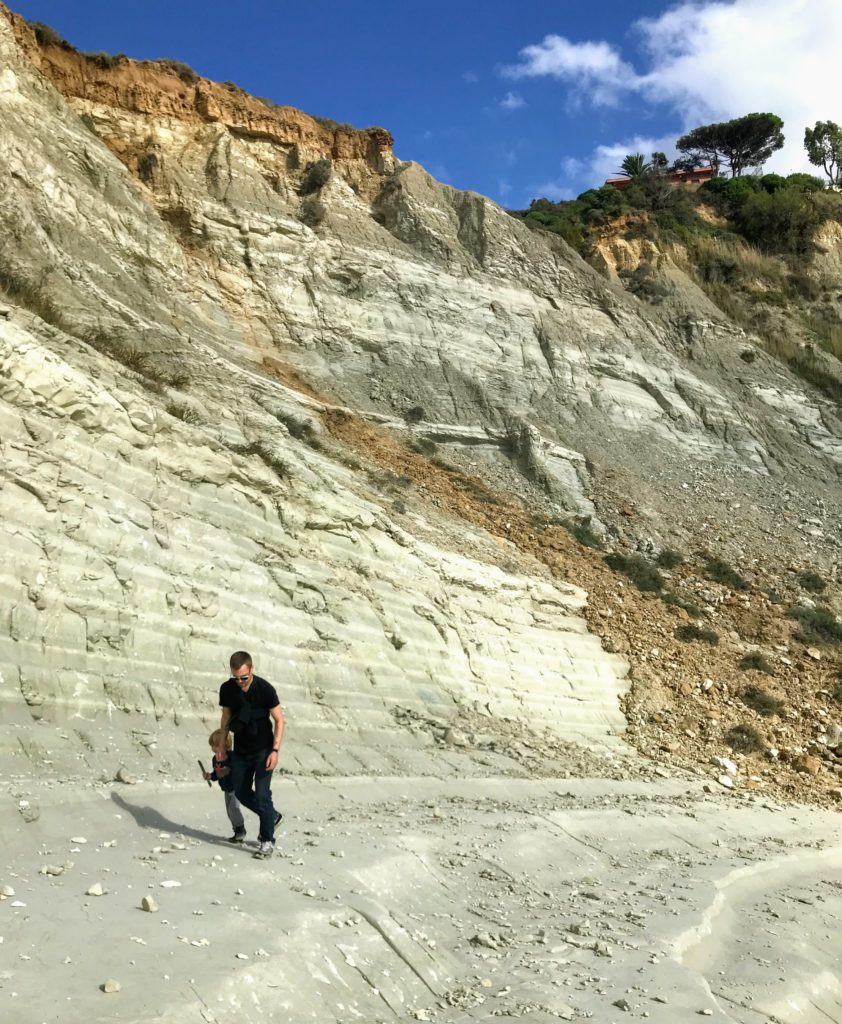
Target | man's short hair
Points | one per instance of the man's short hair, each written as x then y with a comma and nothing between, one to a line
240,658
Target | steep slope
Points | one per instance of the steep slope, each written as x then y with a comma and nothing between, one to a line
222,373
401,296
149,530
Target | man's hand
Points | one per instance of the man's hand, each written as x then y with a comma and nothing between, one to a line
272,760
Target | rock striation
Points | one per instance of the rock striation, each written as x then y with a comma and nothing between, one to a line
157,516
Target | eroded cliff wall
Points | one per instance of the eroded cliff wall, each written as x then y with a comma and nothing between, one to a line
155,518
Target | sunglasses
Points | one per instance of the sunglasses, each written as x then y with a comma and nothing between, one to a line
243,679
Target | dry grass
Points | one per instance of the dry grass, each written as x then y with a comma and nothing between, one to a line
731,261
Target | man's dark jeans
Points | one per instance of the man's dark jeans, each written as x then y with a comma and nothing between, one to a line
252,785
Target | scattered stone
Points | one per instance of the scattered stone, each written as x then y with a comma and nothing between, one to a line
95,890
111,985
169,884
124,776
622,1004
149,904
807,764
456,738
726,781
834,735
6,891
727,764
52,869
241,956
78,840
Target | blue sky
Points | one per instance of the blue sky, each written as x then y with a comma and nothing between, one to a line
510,98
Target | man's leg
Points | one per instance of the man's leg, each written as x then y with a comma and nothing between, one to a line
263,799
242,775
232,808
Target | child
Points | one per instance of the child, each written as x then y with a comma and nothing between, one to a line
221,772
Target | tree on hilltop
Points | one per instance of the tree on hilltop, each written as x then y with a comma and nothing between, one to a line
634,165
743,143
824,149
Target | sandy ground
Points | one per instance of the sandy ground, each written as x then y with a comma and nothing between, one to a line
411,899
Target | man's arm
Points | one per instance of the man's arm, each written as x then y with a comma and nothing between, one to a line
223,725
278,720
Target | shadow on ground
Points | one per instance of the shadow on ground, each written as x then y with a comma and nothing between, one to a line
152,818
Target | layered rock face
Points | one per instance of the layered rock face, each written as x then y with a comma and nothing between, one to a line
148,531
400,295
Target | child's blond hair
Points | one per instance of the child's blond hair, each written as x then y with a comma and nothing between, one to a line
215,739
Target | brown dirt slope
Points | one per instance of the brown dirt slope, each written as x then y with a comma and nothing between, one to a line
686,695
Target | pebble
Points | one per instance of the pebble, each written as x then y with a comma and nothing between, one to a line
111,985
95,890
78,840
149,904
6,891
726,781
125,777
170,884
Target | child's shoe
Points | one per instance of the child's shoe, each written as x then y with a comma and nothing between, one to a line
239,836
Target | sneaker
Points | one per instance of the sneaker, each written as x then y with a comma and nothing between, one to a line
238,836
265,850
278,818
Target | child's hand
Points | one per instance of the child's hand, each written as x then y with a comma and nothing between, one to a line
222,772
207,776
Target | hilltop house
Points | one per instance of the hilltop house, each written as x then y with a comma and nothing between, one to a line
689,179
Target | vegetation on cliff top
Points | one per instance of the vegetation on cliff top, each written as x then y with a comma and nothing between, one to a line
747,240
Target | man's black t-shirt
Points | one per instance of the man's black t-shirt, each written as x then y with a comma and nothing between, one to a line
250,721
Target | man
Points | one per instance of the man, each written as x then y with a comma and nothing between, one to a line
252,713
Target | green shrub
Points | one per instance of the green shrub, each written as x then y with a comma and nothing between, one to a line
105,60
316,176
184,411
811,581
669,559
818,625
682,602
642,573
46,35
761,701
744,739
756,661
178,67
146,165
424,446
583,533
721,572
688,631
415,414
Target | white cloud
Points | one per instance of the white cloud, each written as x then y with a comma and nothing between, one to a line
512,101
554,191
713,61
605,160
504,188
471,77
593,68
